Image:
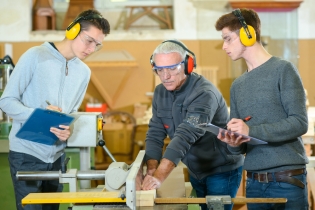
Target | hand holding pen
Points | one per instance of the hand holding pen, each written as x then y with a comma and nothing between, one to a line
64,131
236,125
53,108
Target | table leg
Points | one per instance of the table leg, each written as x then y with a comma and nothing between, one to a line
168,19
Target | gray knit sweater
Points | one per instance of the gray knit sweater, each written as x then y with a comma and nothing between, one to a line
274,96
202,153
40,75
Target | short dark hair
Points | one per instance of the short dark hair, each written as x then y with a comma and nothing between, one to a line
232,22
100,23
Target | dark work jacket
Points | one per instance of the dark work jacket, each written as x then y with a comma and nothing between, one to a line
175,114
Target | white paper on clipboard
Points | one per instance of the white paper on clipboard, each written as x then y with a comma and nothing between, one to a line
215,130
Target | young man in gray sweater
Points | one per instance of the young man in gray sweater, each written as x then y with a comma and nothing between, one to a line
51,72
272,94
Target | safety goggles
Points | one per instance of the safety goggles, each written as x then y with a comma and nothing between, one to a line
171,70
90,42
228,39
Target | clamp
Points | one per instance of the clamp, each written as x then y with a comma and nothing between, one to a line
217,202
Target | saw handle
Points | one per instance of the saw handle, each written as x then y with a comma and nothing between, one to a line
101,143
64,165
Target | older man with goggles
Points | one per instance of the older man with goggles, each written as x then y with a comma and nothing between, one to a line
184,100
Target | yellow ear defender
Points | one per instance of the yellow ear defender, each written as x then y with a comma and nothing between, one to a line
73,31
247,32
244,37
74,28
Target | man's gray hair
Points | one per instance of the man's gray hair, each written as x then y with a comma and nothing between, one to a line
170,46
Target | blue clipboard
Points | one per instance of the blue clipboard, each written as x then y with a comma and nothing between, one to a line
215,130
37,126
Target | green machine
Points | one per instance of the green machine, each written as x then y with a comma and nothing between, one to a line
5,122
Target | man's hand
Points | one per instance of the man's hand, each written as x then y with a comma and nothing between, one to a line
62,135
54,108
238,126
160,174
231,139
150,182
234,140
139,179
152,166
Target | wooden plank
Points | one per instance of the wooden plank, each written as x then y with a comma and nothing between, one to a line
179,200
190,192
188,189
234,200
174,185
145,198
240,200
72,197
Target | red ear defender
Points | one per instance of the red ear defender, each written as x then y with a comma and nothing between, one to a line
189,64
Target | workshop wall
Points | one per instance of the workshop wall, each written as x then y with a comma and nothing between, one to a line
142,80
306,67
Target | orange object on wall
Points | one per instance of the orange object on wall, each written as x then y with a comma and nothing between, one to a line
91,107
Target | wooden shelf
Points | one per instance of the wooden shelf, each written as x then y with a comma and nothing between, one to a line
148,11
267,5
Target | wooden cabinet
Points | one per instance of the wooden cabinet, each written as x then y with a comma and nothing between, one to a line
270,5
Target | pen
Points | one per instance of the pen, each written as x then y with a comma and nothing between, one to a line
247,118
57,110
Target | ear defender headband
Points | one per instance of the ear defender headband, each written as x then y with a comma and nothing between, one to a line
189,62
74,28
247,32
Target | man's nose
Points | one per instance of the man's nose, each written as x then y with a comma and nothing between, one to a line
166,73
92,47
224,46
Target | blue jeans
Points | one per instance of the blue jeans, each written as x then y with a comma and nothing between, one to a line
24,162
296,196
226,183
